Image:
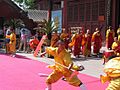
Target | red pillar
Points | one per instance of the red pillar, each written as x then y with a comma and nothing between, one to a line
64,15
49,14
114,14
49,9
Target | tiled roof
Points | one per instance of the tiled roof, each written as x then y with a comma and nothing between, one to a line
37,15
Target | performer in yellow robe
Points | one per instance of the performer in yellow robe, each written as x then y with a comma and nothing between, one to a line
12,43
112,70
62,57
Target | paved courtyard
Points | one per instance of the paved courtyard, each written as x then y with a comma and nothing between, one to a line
93,66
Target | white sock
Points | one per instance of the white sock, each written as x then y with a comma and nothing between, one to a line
83,87
48,87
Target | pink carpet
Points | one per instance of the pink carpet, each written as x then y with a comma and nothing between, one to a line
21,73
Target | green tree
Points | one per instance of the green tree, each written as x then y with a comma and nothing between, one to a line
15,23
26,4
48,28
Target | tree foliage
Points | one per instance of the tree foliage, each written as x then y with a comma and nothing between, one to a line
15,23
26,4
48,28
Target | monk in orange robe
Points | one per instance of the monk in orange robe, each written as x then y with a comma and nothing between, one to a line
12,43
109,37
33,43
65,37
86,44
76,43
97,41
54,39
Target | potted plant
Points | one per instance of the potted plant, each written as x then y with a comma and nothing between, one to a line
48,28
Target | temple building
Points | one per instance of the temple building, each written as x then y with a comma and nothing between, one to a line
9,10
85,13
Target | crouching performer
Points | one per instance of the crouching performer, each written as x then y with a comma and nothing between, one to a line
63,67
112,70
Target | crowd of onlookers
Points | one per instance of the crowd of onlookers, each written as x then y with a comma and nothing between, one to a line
24,41
77,42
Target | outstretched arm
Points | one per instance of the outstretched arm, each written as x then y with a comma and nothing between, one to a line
50,50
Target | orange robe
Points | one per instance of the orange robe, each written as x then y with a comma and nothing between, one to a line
71,44
86,45
12,43
97,40
8,36
34,43
65,37
109,38
76,43
54,40
62,59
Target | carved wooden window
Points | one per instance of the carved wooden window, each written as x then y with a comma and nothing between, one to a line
56,6
82,1
81,12
94,11
70,14
88,11
41,6
101,7
75,18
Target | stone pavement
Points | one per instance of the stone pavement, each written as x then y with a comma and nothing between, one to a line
93,66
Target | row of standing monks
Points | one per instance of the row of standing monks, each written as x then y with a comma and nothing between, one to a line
81,42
